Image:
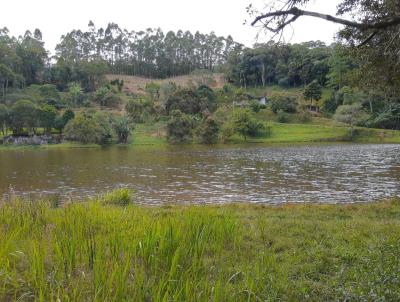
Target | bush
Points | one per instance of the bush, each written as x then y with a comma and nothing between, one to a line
117,83
286,103
75,96
256,106
106,97
208,131
153,90
350,114
62,121
88,127
242,122
192,101
139,109
49,91
119,197
282,117
179,128
304,117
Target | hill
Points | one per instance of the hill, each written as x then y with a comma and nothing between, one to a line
136,84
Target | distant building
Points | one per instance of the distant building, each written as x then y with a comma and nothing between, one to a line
263,101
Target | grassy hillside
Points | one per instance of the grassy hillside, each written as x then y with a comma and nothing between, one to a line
135,84
94,252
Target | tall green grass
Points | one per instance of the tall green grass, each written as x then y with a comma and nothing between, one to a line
100,252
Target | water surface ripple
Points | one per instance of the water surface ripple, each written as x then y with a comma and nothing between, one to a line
196,174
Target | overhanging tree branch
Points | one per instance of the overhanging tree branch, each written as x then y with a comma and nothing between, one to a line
295,13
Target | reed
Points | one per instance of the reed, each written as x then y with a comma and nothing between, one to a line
102,251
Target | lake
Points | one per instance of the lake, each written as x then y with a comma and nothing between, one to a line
329,173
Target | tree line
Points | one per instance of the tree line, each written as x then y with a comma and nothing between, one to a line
149,53
23,60
278,63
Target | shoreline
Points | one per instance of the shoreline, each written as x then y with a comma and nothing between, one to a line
280,134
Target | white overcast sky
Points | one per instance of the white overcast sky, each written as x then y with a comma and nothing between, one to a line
57,17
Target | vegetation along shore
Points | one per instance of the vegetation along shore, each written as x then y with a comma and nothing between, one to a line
108,249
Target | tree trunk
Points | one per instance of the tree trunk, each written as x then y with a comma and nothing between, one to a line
263,75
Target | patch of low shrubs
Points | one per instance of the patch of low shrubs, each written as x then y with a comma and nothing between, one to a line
284,102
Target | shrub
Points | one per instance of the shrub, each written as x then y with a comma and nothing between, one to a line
49,91
62,121
282,117
179,127
256,106
119,197
192,101
139,109
117,83
166,90
283,102
227,131
153,90
242,122
75,96
106,97
208,131
350,114
304,116
88,127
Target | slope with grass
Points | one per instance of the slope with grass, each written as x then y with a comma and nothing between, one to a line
99,251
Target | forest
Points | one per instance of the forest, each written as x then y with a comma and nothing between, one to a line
45,92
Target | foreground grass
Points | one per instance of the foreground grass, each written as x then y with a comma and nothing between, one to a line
97,251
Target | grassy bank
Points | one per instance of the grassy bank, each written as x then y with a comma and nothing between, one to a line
283,133
94,252
323,131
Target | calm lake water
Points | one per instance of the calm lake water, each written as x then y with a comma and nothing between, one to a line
198,174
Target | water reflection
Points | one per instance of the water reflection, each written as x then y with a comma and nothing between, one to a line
326,173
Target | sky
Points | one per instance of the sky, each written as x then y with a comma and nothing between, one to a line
225,17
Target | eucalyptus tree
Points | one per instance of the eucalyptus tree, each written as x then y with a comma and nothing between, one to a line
149,53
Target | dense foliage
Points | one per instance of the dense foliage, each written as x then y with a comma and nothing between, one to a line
22,60
278,63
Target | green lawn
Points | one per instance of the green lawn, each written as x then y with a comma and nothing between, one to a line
308,133
94,252
317,130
